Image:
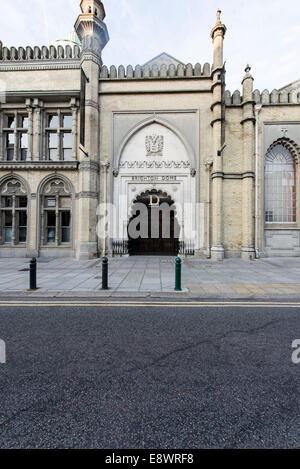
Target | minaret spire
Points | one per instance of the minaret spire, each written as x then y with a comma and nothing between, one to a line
218,32
90,28
92,32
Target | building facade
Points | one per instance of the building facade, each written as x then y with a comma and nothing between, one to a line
82,144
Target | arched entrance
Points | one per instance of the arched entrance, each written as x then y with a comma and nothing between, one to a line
153,228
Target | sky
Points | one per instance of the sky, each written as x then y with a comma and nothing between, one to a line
263,33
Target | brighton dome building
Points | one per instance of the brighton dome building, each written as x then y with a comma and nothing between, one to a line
82,145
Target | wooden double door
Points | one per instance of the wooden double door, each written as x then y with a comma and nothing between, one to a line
153,229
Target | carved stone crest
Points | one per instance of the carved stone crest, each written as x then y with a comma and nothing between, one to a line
154,145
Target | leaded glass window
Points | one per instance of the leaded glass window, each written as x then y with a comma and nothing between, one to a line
280,186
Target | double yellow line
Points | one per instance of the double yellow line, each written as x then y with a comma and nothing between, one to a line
144,304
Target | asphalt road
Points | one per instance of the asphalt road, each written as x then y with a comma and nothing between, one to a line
149,376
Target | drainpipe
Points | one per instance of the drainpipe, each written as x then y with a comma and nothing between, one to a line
257,111
208,165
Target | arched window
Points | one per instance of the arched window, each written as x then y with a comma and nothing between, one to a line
280,186
13,215
56,213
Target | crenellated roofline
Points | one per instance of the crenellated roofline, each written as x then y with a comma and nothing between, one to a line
265,97
155,71
29,54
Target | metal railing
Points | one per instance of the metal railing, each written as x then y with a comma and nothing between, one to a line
120,246
186,248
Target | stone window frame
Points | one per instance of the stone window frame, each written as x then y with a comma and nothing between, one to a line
291,148
15,188
17,131
56,188
60,131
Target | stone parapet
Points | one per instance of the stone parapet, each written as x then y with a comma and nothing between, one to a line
155,71
29,54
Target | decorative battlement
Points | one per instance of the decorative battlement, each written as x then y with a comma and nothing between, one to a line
14,54
264,98
155,71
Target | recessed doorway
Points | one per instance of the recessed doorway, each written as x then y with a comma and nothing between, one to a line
153,228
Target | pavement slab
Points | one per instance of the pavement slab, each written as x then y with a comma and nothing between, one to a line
231,278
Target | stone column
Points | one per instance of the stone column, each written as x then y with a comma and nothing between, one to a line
248,123
30,129
37,143
89,167
217,124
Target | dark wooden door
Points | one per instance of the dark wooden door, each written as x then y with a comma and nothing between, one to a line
162,238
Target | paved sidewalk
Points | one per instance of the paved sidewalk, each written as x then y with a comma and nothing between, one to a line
142,276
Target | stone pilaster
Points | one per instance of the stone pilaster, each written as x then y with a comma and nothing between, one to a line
248,123
217,124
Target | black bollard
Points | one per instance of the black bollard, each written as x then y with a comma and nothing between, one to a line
105,273
32,274
178,274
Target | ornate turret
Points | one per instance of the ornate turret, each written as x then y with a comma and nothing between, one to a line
90,28
247,84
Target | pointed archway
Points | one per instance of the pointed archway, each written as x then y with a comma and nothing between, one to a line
153,228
